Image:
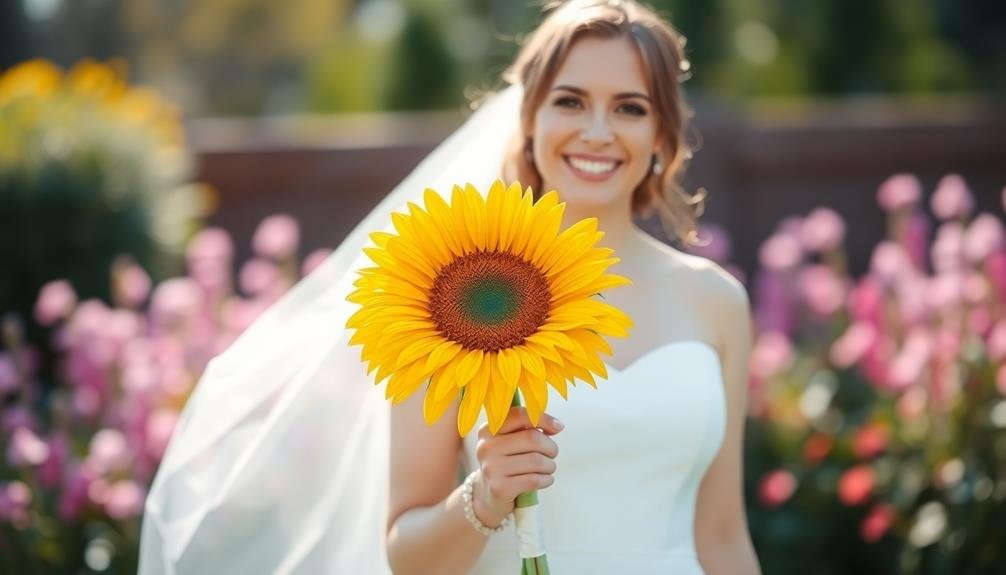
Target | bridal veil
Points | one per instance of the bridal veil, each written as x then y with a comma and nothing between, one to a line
279,462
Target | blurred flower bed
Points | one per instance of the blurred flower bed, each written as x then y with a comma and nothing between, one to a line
80,457
877,434
90,167
875,441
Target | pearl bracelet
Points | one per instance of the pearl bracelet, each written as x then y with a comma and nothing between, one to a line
466,495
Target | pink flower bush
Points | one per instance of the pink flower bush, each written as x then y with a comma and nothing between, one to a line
883,395
124,372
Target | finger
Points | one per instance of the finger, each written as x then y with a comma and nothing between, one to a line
526,441
528,482
517,419
524,463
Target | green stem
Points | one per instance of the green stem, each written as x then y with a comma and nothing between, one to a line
530,565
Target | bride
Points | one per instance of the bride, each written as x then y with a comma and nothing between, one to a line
285,460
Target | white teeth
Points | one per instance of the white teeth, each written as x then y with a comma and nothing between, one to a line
592,166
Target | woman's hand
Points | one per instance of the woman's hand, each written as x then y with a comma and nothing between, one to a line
517,459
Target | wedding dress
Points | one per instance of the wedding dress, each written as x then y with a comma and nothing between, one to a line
630,461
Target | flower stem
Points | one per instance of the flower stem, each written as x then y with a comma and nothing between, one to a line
530,565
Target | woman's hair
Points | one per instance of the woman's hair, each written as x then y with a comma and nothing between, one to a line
661,48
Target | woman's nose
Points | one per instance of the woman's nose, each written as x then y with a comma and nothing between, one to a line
597,131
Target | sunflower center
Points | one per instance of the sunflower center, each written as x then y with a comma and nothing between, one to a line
489,300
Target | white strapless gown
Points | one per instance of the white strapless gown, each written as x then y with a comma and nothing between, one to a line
630,461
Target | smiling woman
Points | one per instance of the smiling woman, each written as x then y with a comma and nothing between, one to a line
607,83
649,480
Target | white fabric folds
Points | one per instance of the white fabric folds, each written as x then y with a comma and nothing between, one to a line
279,462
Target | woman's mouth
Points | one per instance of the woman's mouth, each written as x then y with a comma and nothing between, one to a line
592,169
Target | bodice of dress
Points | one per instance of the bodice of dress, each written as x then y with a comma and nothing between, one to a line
631,458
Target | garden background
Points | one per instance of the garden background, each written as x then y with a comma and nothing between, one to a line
168,169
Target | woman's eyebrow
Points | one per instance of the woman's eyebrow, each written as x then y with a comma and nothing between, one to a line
618,96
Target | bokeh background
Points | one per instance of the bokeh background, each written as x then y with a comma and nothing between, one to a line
169,169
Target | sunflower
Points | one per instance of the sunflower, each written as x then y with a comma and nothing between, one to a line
483,297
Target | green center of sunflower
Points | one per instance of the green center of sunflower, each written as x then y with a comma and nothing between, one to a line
489,300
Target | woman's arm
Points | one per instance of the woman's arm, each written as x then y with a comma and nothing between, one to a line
427,529
722,538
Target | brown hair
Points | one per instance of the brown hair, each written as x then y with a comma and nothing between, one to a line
661,48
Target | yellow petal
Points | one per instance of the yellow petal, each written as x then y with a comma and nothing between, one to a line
471,404
459,220
468,365
475,211
443,353
433,409
494,208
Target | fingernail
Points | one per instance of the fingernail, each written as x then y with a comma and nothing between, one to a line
558,424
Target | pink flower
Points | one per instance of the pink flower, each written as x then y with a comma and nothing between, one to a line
979,320
10,380
909,365
212,244
912,403
916,238
866,301
719,247
822,289
86,402
175,300
277,237
26,449
132,284
948,248
776,488
823,230
314,259
258,276
877,522
952,198
890,263
74,496
945,291
15,417
899,192
772,353
996,342
870,441
55,302
108,451
124,499
51,471
159,429
780,252
983,238
995,267
856,485
853,344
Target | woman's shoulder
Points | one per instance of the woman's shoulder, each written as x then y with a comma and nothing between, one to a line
713,289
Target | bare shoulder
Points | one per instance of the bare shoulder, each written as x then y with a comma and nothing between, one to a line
715,293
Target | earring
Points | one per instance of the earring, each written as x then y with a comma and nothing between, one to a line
658,168
528,153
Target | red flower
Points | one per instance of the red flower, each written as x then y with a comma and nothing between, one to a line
856,485
776,488
816,448
877,522
870,441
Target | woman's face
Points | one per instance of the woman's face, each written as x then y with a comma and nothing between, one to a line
595,132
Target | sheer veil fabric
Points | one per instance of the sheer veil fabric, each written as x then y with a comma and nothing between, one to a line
279,462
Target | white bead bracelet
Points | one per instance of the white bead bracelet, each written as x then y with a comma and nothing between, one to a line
466,495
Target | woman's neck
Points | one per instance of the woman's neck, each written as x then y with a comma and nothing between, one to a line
620,232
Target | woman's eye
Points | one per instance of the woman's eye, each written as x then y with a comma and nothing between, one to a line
567,102
633,109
